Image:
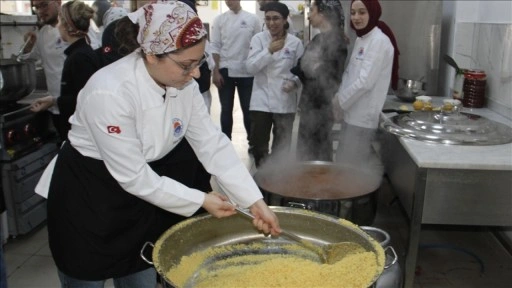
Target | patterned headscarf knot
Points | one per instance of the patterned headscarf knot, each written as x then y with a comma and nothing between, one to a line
167,26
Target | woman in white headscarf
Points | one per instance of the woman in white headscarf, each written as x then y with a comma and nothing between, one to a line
109,190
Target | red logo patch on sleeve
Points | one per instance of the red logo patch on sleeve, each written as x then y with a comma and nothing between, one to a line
114,129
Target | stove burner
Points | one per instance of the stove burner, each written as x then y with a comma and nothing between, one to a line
23,131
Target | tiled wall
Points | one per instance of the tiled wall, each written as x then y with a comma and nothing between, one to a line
488,47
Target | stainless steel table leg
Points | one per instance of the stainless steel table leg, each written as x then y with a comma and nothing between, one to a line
415,227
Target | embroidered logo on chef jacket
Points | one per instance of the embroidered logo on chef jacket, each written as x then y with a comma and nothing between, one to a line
114,129
60,44
177,124
360,54
287,54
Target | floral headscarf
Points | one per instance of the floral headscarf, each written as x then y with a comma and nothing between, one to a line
167,26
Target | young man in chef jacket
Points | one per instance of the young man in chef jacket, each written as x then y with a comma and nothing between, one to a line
230,37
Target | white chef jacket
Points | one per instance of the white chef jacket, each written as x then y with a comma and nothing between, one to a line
123,119
49,48
270,70
230,38
366,79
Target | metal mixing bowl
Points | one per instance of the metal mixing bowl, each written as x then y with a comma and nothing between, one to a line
409,89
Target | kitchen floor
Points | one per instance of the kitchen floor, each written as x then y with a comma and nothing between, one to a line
449,256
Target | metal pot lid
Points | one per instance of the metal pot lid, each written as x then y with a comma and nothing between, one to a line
457,128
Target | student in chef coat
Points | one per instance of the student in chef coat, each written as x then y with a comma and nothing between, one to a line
372,67
81,61
272,54
290,29
231,36
320,70
47,45
105,196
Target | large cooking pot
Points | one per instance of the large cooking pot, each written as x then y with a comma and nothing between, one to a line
332,188
204,231
19,79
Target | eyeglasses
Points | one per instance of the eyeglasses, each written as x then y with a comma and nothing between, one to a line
187,69
274,19
40,6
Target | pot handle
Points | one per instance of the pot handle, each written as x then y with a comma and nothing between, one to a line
395,257
142,252
297,205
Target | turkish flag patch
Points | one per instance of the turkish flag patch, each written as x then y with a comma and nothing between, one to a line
114,129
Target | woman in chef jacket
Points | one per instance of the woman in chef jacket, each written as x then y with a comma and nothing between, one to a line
320,70
272,54
372,65
81,62
105,199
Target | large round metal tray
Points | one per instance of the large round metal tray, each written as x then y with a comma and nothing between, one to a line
449,128
202,232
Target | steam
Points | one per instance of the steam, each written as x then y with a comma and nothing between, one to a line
316,180
356,170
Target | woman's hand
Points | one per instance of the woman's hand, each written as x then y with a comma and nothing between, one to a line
264,218
42,104
288,85
217,204
277,43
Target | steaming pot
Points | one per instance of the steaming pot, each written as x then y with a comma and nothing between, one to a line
19,79
321,186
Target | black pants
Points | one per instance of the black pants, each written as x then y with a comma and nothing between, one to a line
227,100
261,125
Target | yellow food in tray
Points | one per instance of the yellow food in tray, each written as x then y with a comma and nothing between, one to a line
418,105
292,269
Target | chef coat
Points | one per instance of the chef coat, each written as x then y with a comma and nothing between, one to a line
270,71
366,79
126,120
50,48
230,38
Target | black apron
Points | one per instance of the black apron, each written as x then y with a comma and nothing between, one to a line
96,229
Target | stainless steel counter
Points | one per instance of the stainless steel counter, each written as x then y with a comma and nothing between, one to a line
448,184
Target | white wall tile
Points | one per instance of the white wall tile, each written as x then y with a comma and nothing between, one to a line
485,46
